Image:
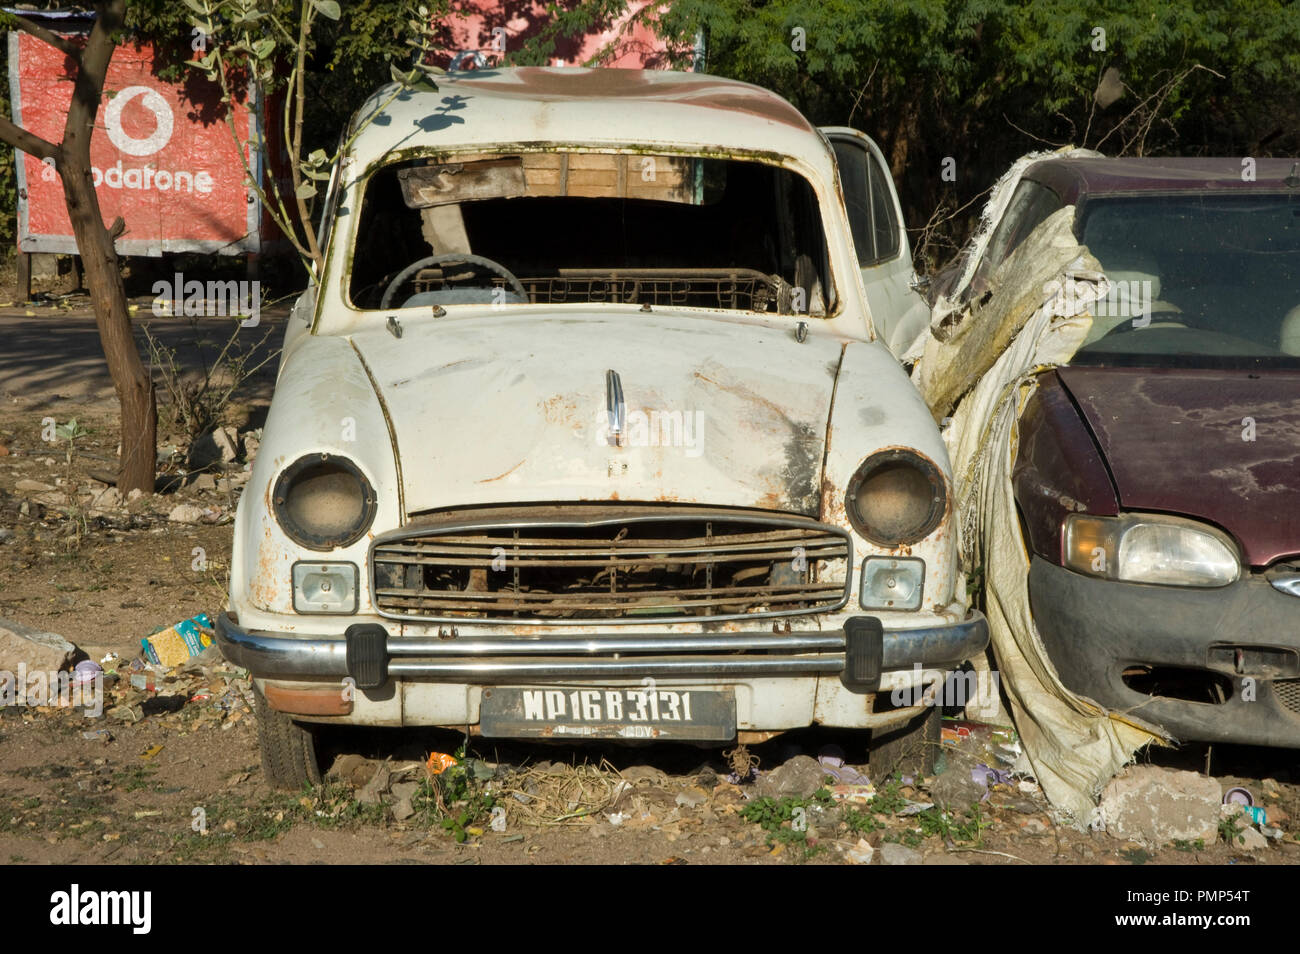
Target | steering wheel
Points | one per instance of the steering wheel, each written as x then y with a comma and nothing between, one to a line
465,257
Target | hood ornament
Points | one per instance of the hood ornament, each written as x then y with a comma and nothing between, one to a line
615,408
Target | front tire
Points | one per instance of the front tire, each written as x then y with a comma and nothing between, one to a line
289,757
908,749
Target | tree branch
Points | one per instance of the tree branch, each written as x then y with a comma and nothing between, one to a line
89,86
29,143
299,83
62,44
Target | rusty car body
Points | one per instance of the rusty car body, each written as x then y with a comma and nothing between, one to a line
1158,473
584,432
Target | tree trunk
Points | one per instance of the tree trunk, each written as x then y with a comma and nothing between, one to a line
132,382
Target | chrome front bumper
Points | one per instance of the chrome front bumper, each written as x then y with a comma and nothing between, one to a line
486,660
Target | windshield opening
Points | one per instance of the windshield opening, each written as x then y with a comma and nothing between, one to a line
550,227
1197,280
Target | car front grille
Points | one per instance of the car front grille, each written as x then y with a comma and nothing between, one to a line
1288,693
636,564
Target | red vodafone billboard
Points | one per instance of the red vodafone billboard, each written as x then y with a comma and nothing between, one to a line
176,181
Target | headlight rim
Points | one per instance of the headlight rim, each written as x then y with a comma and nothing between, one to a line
939,499
318,543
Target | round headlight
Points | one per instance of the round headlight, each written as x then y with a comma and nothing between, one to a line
324,502
896,497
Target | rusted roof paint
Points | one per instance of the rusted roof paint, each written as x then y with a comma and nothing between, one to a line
697,89
496,107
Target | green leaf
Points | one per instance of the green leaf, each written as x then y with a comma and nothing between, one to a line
327,8
263,48
305,191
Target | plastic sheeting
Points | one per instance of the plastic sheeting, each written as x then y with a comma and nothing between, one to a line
1036,318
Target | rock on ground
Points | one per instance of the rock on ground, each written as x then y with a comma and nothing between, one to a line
403,795
377,787
35,649
797,778
1250,840
1155,806
186,513
955,790
219,445
859,854
108,500
892,853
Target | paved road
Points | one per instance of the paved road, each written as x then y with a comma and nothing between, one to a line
50,352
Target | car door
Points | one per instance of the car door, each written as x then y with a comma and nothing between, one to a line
898,312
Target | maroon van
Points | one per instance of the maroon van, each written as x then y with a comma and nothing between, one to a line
1158,474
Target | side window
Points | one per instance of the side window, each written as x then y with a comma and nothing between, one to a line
868,201
1030,207
882,211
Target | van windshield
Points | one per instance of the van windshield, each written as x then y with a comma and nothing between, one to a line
551,227
1197,280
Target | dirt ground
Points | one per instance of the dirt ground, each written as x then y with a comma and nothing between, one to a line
142,786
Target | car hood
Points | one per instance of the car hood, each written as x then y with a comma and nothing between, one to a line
1221,446
512,408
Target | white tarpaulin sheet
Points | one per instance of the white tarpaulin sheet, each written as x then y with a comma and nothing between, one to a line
1036,318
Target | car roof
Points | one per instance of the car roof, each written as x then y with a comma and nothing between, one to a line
553,105
1073,179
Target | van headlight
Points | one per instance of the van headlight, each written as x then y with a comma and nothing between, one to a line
1150,548
323,501
896,497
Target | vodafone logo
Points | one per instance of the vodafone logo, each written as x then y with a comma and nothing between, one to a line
146,176
151,100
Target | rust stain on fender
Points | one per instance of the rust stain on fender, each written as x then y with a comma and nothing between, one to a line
489,480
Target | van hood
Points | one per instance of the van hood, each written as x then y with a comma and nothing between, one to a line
1221,446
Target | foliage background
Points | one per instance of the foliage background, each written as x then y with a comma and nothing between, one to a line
985,81
977,81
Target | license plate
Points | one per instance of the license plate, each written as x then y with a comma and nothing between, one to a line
627,713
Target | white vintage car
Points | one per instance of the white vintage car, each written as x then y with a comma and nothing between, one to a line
584,432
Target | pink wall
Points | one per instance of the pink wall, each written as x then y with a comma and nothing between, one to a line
631,43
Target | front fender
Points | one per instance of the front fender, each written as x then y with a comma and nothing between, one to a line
875,407
324,403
